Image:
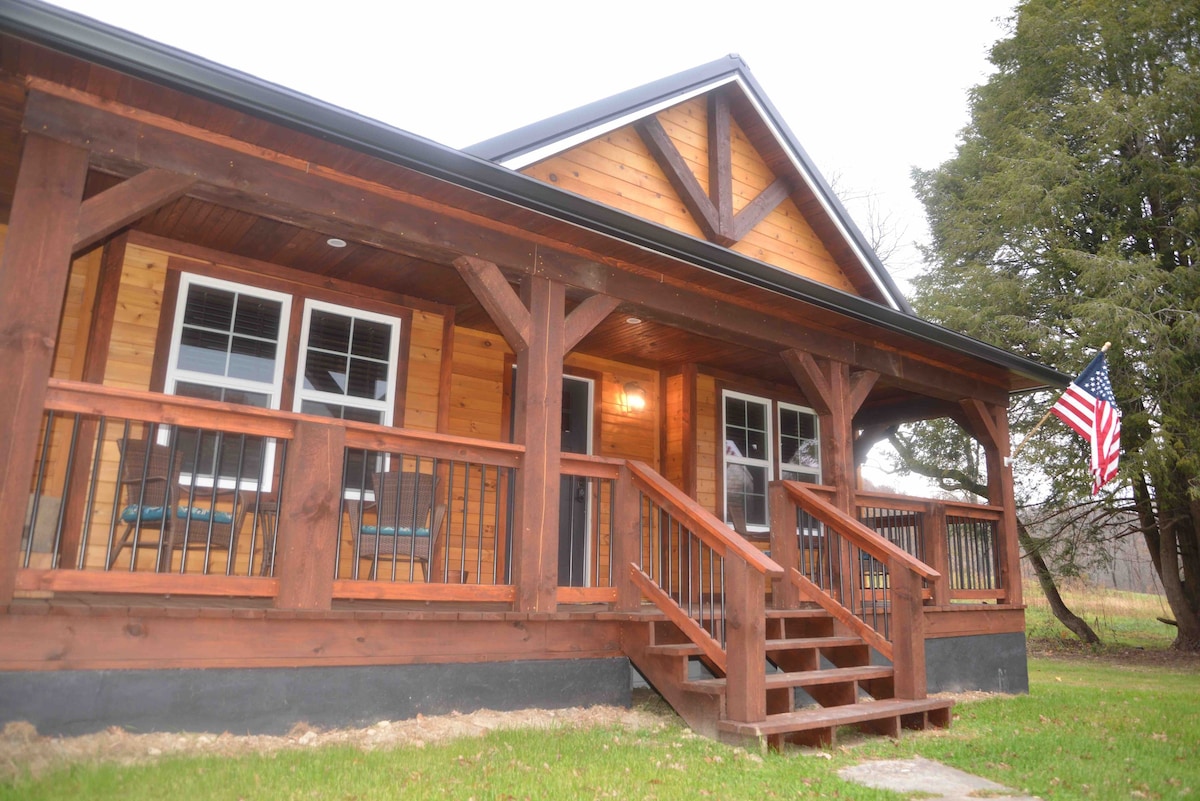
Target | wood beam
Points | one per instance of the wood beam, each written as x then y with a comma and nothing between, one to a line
757,210
279,187
585,317
33,278
126,202
861,384
720,163
811,380
682,179
498,299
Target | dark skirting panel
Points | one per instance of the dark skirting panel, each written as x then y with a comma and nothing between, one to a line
988,662
272,700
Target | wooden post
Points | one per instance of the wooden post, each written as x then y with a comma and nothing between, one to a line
937,550
908,634
33,279
95,361
538,402
989,424
310,517
626,540
745,642
785,547
1001,493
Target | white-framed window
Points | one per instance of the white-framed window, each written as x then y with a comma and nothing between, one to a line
746,423
799,444
347,369
227,344
764,440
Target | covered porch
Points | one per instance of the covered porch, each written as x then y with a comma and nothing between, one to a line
294,389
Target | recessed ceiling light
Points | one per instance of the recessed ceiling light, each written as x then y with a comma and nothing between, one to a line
334,242
633,320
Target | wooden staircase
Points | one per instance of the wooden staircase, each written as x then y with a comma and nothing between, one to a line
816,679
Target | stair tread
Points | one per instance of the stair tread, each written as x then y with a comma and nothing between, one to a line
806,612
803,678
797,643
807,719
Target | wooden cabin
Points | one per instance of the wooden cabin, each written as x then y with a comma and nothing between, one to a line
308,418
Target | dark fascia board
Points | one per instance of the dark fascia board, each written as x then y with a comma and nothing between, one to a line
126,52
564,127
593,115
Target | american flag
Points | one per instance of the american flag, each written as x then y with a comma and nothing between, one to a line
1088,406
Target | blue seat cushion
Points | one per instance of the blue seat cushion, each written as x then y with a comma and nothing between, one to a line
199,514
391,531
151,514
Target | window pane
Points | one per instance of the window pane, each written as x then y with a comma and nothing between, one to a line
209,308
203,351
325,372
252,359
257,317
756,416
367,380
757,443
341,412
372,340
329,331
202,391
321,409
746,487
362,415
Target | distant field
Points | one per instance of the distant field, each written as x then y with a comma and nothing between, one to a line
1121,619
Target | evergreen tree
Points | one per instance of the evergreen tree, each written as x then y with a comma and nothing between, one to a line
1070,216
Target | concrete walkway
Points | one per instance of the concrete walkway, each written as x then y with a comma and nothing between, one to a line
925,776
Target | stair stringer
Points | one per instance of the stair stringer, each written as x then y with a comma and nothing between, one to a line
667,674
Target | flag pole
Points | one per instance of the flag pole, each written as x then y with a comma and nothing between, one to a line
1008,460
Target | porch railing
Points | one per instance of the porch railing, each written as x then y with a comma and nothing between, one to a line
861,578
138,492
960,540
586,548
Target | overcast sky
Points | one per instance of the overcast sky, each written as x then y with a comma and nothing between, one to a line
871,88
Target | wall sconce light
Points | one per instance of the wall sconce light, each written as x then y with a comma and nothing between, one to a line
633,398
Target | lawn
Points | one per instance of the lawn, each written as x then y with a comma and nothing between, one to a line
1118,722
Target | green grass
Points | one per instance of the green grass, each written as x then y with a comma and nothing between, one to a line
1089,729
666,763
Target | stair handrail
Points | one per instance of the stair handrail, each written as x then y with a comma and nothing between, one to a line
861,535
717,535
906,647
746,571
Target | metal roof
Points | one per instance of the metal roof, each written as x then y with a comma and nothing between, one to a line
121,50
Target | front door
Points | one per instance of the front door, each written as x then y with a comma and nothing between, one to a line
573,551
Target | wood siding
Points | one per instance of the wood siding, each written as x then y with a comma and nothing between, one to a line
617,169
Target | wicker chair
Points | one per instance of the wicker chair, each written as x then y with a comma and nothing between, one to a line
155,504
407,523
